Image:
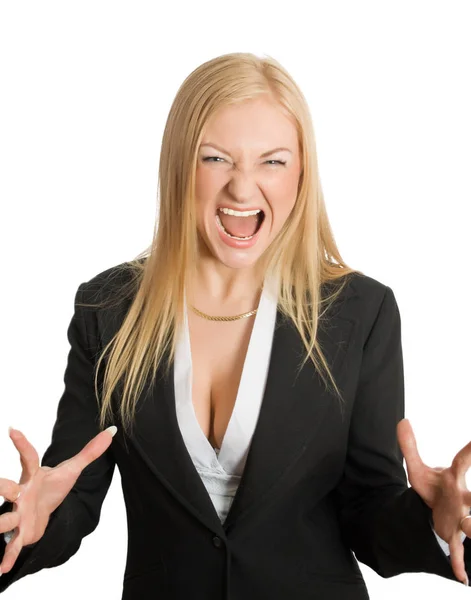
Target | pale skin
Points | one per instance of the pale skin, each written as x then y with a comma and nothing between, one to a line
228,283
41,490
229,280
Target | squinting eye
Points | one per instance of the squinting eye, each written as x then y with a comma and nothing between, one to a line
281,162
208,158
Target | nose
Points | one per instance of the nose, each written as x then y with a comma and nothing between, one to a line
242,187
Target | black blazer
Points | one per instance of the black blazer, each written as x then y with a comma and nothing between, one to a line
323,482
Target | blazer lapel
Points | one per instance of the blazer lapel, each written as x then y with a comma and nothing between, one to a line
291,414
293,409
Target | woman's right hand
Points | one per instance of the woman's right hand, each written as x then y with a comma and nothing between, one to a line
40,491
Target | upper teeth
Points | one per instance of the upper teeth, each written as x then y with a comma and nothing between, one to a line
239,213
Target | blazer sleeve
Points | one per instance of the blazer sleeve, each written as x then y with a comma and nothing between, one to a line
383,520
76,424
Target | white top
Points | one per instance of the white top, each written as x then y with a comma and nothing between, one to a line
221,469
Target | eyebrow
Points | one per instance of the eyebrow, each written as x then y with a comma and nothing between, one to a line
261,155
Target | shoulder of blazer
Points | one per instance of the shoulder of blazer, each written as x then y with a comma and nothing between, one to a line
103,301
367,286
108,283
366,291
374,304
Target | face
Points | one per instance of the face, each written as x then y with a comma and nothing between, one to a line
239,168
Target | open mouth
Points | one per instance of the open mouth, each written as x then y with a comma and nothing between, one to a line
240,226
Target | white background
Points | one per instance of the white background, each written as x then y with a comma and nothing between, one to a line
85,92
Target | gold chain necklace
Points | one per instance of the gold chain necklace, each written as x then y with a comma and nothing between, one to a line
242,316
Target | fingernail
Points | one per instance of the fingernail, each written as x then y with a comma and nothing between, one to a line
10,429
112,429
466,581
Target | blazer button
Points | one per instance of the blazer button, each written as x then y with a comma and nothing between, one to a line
217,541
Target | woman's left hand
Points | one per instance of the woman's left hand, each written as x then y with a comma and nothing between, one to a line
444,491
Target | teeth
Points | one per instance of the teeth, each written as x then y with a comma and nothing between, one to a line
227,233
239,213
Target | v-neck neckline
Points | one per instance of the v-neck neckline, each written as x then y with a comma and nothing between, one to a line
230,457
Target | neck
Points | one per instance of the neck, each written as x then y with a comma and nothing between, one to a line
220,290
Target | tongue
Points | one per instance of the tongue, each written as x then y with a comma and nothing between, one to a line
239,226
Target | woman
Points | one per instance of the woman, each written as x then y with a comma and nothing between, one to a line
246,471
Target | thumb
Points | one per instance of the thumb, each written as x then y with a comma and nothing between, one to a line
28,456
408,445
92,450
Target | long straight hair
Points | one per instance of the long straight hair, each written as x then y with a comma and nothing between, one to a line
304,254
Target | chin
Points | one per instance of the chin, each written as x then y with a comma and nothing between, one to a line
237,259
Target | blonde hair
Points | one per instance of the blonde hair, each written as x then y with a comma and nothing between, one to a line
304,252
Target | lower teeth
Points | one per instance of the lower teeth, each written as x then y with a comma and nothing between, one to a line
232,236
